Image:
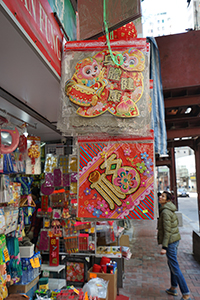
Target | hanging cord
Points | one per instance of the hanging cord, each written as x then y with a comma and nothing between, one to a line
118,59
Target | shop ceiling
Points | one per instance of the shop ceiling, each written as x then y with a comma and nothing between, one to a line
29,89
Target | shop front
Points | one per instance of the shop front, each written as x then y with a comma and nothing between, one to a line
77,154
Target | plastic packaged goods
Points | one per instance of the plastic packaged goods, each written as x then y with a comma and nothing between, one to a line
24,277
40,261
28,270
51,163
101,97
96,287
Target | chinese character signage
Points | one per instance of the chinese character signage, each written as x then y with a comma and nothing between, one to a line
54,251
116,178
37,20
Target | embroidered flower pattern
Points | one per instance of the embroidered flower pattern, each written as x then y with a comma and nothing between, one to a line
87,191
102,205
90,208
143,183
148,173
104,154
106,214
141,167
148,163
125,180
144,155
127,151
127,203
119,210
97,212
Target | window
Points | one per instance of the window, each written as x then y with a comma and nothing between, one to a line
163,21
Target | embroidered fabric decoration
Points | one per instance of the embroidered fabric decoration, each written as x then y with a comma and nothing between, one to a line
94,87
115,176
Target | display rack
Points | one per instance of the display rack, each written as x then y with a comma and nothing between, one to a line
57,269
55,283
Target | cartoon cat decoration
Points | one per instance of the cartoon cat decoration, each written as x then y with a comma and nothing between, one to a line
98,85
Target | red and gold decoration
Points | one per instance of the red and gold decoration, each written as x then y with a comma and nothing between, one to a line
54,251
98,85
44,203
75,272
33,160
115,178
105,85
126,32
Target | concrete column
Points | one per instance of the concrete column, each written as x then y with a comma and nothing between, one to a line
197,161
173,175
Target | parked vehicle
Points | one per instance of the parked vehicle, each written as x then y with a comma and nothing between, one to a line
182,192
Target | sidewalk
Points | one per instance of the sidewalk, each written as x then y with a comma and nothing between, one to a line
147,274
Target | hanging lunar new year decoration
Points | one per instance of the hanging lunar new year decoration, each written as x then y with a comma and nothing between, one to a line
125,32
98,85
33,165
116,177
22,143
100,95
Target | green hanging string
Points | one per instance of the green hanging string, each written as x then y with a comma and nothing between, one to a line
118,59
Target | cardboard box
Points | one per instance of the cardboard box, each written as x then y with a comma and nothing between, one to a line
112,282
123,241
31,292
23,288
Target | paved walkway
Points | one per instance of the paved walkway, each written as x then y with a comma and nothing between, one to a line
147,274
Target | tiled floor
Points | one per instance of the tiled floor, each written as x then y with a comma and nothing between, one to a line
147,274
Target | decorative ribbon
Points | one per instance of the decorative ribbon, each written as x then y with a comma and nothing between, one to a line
118,59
